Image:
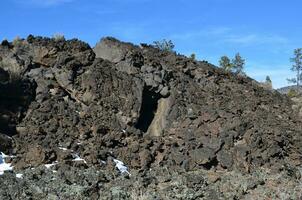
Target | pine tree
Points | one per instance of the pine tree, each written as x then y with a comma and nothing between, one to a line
193,56
238,64
268,83
268,79
225,63
297,67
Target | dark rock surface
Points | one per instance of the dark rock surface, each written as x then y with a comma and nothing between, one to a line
172,120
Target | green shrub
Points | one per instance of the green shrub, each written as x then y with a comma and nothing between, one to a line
165,45
17,40
193,56
292,93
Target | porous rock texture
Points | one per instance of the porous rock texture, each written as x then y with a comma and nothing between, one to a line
184,128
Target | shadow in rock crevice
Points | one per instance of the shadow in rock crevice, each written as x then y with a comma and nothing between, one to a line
16,94
148,109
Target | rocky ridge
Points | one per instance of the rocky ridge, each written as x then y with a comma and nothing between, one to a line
184,128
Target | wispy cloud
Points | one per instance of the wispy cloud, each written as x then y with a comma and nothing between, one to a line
214,32
228,35
256,39
45,3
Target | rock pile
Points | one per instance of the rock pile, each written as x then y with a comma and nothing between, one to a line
157,112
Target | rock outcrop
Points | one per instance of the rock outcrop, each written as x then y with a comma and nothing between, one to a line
78,108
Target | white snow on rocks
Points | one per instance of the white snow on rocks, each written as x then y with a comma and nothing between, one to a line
121,166
48,166
3,165
19,175
62,148
78,158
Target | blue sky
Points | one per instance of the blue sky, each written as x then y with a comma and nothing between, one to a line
264,32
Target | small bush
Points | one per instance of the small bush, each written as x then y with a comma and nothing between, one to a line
17,40
292,93
193,56
165,45
58,37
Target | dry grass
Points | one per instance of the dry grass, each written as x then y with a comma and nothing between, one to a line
58,37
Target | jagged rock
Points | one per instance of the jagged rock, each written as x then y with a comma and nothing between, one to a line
148,108
4,76
5,143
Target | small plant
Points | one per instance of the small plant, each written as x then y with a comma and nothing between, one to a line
165,45
5,42
292,93
193,56
17,41
58,37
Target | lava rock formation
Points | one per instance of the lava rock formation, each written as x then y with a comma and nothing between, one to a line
164,115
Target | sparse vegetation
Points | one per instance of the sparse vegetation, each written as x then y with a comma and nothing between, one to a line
165,45
182,128
292,93
5,42
58,37
296,67
17,41
236,66
193,56
225,63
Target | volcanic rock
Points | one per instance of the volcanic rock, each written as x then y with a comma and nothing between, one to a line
63,102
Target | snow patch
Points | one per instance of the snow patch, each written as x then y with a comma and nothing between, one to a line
3,165
48,166
19,175
62,148
78,158
121,166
